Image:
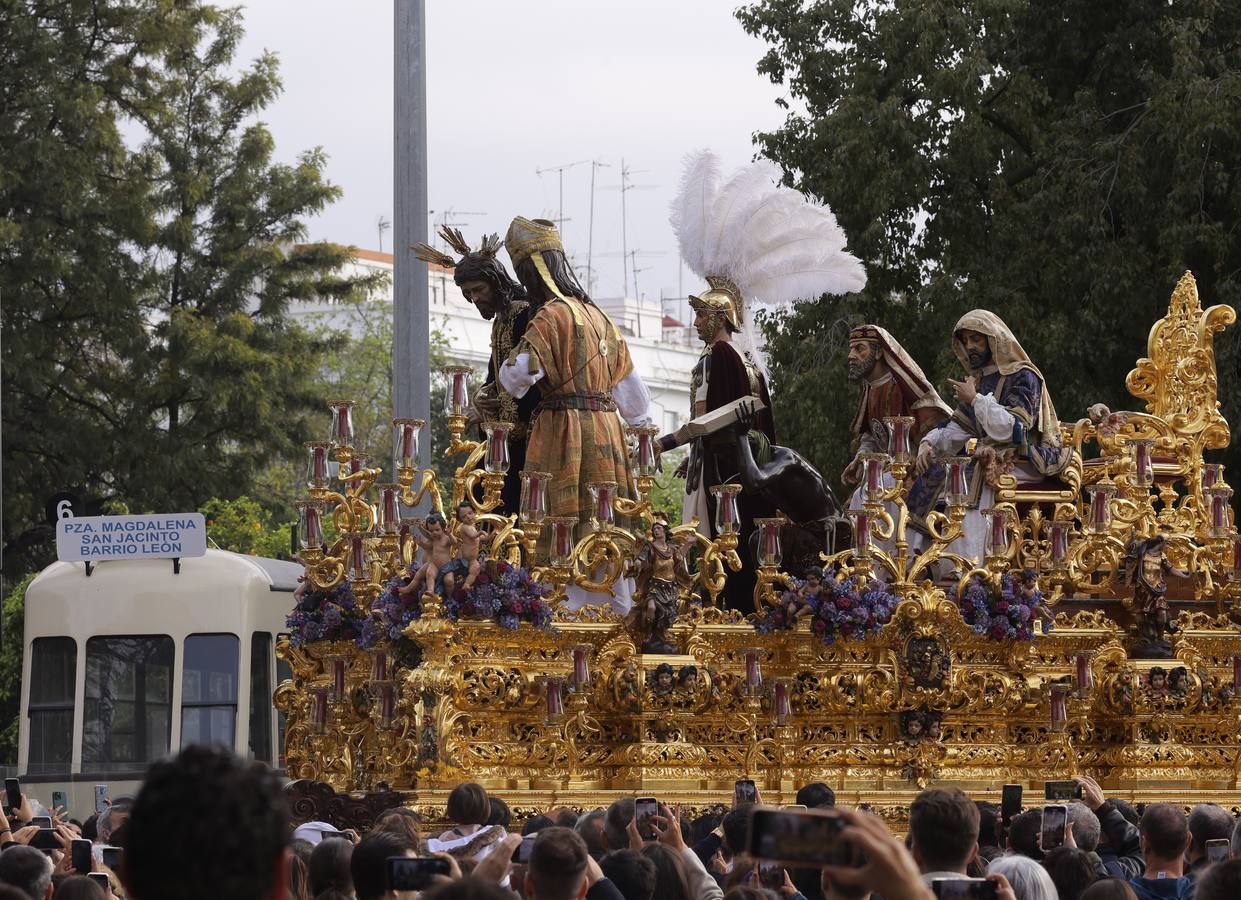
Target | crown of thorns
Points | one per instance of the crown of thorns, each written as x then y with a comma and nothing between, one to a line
456,240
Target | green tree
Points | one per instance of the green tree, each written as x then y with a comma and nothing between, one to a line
147,354
12,640
1060,169
246,526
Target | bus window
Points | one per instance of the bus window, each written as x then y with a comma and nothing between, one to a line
209,690
260,696
53,668
284,672
127,721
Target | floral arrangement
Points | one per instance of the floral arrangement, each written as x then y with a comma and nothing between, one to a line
502,592
1005,614
390,613
838,609
326,616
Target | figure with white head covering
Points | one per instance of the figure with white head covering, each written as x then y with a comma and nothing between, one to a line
1003,403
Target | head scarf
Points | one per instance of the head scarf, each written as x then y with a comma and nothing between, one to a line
908,374
1009,357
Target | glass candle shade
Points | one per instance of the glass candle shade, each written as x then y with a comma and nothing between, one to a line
387,704
581,665
769,552
405,433
753,673
357,462
1140,456
555,703
862,542
995,540
380,665
1236,675
1059,709
342,423
456,389
1099,516
726,508
602,497
900,432
957,489
338,679
389,508
781,700
1212,474
1082,671
355,566
872,476
644,456
533,507
495,460
1234,574
1217,509
316,464
562,539
310,524
318,708
1059,544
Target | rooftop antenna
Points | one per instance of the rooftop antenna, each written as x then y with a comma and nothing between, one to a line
560,170
625,187
630,260
446,220
383,225
595,166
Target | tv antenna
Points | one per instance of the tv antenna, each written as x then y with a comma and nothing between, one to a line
382,225
560,170
447,217
595,166
631,260
625,187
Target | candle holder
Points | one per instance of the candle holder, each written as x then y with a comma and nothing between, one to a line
645,459
456,390
873,465
1212,474
863,541
726,515
337,690
1082,675
1217,509
389,508
561,554
553,685
957,489
1059,545
533,506
995,541
579,679
495,460
357,463
405,436
342,426
770,554
1059,707
1140,458
900,432
602,505
781,708
310,528
316,465
356,568
318,709
753,670
1099,517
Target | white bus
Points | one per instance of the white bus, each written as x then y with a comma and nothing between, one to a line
135,660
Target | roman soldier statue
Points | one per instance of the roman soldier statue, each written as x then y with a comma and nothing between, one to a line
485,282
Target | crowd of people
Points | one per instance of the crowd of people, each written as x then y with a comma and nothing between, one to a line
207,825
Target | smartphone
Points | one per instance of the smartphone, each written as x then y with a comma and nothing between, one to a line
1218,849
1010,802
41,821
414,873
796,839
1060,791
45,839
1055,818
80,855
644,809
60,800
771,875
522,853
101,798
13,793
796,806
964,889
101,879
744,791
111,857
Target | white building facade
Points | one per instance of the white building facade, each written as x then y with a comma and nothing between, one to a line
664,351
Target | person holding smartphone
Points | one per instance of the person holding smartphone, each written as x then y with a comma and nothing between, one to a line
1165,838
1207,822
1120,855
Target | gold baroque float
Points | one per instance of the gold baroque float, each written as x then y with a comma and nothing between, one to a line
577,714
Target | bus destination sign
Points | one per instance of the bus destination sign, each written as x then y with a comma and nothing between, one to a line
96,538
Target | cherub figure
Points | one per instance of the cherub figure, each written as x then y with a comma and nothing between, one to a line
436,544
469,544
934,726
1028,592
813,583
1147,566
798,603
662,680
1178,681
912,726
687,679
1158,684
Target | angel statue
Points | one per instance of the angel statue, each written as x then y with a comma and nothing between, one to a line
1146,565
661,571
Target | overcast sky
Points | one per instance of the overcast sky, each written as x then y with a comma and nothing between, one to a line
515,87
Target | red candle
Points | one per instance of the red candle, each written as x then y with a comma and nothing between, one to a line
753,677
338,679
497,448
1219,509
646,453
874,477
311,525
1059,541
389,515
320,708
782,700
342,424
581,673
1099,508
1059,712
603,503
379,669
771,542
728,499
458,389
861,531
562,542
357,556
1236,555
554,705
1083,673
1210,475
898,443
1142,461
407,444
316,464
387,704
998,537
1236,674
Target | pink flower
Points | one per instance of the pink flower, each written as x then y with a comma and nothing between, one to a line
819,626
1002,606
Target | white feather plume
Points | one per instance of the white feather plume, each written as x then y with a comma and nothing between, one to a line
691,210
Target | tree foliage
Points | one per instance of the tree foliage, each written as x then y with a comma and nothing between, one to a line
1061,166
150,249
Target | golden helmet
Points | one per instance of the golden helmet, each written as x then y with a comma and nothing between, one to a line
724,298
